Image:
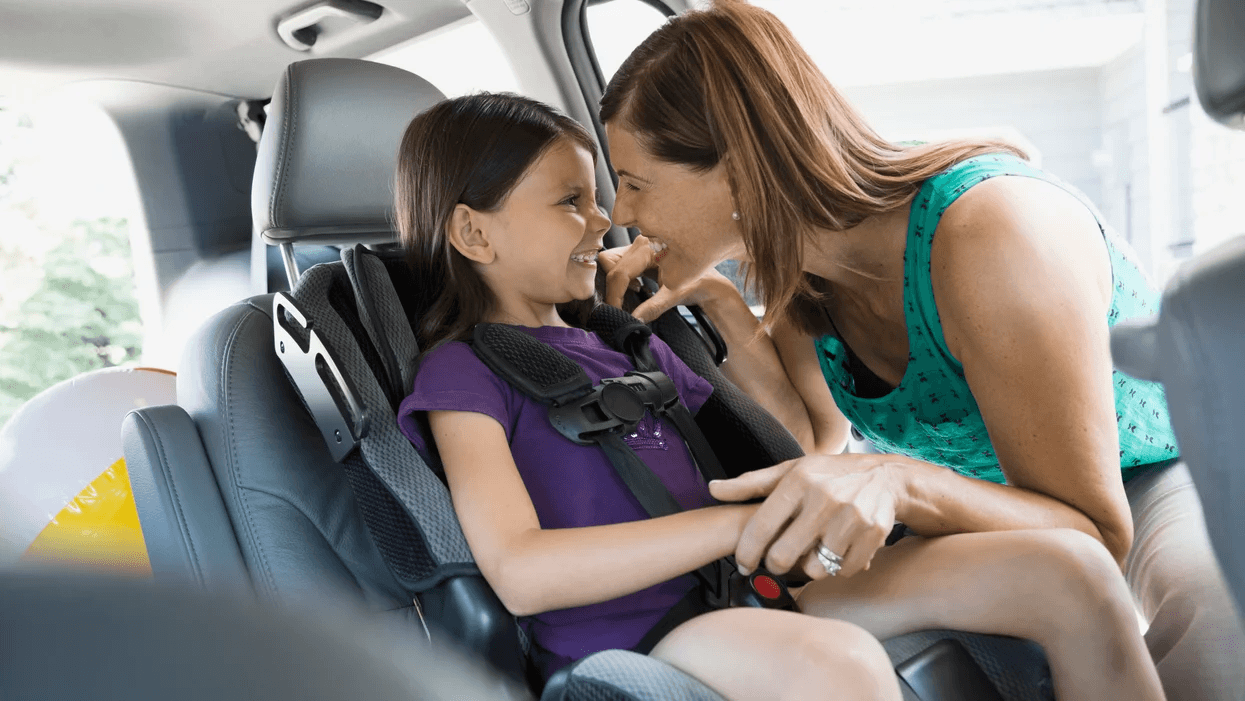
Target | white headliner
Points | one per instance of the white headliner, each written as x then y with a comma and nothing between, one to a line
224,46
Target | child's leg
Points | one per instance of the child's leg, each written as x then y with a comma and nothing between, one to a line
748,653
1057,587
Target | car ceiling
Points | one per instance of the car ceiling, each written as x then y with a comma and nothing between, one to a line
228,46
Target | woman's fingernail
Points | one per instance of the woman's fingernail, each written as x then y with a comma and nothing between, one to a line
657,246
743,570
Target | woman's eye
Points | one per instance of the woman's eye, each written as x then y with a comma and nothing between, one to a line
631,186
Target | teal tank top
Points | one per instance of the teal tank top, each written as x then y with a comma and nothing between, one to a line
932,415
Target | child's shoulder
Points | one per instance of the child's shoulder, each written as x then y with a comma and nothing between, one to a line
448,364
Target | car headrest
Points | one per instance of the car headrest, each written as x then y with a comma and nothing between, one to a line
326,160
1219,59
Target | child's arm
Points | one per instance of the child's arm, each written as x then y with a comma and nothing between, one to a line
534,570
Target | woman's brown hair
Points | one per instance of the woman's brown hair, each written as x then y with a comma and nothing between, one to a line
732,79
470,150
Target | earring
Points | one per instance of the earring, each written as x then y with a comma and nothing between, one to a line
735,216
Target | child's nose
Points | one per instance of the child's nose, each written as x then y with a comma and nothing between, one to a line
601,222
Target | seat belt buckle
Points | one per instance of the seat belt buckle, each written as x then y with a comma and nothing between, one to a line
759,589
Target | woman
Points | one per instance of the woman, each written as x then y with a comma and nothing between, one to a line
495,195
958,318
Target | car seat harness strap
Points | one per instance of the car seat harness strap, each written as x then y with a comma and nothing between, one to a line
601,414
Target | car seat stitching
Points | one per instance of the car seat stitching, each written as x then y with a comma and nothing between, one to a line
226,373
287,137
315,525
179,512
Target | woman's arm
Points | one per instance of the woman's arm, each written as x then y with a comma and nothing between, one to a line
1022,284
535,570
778,369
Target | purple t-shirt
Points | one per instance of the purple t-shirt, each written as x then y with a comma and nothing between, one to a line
571,485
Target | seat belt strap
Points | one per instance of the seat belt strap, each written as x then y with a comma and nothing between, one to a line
707,460
690,606
642,481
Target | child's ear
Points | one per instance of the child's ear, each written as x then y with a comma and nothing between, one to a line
467,234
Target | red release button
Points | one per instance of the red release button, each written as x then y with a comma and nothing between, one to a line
766,586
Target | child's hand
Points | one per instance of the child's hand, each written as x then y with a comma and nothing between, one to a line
624,265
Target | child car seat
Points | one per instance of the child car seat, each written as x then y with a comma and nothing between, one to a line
237,486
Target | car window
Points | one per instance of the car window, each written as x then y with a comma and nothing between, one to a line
461,59
618,26
1102,95
67,202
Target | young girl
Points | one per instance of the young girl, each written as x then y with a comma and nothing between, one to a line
496,196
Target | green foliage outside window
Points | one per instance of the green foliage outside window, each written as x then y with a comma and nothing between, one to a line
78,319
67,301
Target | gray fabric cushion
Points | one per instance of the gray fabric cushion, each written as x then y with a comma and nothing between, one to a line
1016,667
1219,59
297,524
326,160
109,640
621,675
1201,350
385,448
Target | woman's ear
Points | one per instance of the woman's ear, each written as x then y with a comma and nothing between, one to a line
466,234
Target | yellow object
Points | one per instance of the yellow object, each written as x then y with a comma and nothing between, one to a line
98,529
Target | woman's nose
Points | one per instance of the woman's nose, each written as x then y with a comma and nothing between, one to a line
622,214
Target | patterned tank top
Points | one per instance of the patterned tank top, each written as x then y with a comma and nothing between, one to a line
932,415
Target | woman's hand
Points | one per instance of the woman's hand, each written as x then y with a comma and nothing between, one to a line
625,264
846,502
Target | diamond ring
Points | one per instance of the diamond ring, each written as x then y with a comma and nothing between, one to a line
829,559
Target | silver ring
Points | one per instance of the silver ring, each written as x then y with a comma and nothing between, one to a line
829,559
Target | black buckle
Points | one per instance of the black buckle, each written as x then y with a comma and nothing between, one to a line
759,589
617,404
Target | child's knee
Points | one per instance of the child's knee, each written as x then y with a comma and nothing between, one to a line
841,652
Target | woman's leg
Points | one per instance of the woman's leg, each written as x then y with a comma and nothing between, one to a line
1195,633
747,653
1059,588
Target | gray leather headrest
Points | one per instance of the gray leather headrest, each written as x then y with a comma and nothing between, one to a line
1219,59
325,166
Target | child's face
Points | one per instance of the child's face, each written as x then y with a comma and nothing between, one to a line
547,234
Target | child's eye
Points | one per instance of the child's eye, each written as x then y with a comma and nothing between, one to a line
573,201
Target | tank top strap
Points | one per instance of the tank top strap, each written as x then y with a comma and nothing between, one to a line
935,196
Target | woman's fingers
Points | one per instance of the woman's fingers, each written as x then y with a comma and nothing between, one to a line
854,533
780,507
750,485
801,535
663,300
813,503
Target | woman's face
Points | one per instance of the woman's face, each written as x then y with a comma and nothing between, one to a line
689,211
